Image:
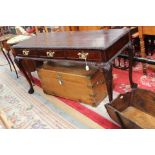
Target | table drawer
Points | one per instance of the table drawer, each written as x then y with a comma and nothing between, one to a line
49,53
82,54
26,53
40,53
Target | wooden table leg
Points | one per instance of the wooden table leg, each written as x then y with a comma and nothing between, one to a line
21,67
107,70
8,54
6,59
130,53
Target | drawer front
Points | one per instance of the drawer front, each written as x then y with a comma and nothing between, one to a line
84,54
88,55
49,53
40,53
26,53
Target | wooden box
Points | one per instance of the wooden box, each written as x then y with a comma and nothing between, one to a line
73,82
134,109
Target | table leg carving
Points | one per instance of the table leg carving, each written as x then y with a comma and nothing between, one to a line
21,67
107,70
130,53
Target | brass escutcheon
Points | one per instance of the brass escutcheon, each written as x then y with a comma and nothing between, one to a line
59,78
50,53
82,55
26,52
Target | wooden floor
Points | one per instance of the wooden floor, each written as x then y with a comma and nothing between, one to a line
141,118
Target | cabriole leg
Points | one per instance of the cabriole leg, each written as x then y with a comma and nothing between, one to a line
22,69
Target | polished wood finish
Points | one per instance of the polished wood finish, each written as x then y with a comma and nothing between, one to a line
98,48
93,42
73,82
135,109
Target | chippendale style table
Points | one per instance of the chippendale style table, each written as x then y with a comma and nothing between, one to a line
98,48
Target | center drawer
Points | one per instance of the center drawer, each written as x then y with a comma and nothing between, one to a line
50,53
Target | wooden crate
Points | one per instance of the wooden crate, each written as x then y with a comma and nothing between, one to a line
134,109
73,82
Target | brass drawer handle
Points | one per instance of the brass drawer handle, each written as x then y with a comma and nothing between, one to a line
83,55
50,54
26,52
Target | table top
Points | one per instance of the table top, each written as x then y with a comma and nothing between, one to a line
18,38
98,39
6,37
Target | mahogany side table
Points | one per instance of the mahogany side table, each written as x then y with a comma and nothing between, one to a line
98,48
